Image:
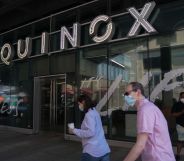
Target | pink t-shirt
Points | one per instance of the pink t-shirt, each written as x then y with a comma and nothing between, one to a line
151,120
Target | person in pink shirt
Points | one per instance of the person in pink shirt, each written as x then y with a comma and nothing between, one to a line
153,140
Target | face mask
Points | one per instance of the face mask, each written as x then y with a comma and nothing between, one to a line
182,100
81,108
130,100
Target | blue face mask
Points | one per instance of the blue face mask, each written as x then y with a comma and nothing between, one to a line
130,100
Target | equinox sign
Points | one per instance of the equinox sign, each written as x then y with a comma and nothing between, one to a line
24,47
141,19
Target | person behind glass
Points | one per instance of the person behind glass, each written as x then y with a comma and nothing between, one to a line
178,112
95,147
153,141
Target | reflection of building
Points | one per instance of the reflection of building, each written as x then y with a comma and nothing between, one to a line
53,77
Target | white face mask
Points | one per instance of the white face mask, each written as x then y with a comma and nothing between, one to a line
182,100
81,108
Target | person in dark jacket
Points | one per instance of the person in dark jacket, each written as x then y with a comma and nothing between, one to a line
178,113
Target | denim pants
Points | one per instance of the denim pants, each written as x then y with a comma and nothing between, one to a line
88,157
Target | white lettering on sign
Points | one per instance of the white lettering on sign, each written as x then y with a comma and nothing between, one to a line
7,53
141,19
93,29
164,85
45,43
9,107
74,40
24,48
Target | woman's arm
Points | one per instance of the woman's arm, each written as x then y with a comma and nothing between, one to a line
88,129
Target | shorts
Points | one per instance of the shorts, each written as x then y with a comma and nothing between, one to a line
180,131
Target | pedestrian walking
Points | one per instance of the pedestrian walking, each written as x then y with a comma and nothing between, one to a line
178,113
153,140
95,147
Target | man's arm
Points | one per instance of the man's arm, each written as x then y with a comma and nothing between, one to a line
137,148
176,111
176,114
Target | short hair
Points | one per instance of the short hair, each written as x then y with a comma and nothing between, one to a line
181,93
136,86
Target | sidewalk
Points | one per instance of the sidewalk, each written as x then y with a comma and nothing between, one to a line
44,147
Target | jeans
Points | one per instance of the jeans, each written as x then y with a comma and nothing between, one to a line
88,157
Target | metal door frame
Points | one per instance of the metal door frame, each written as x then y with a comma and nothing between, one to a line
36,101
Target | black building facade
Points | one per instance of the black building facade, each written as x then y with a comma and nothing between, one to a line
89,48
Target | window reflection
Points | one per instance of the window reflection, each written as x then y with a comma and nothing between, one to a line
93,71
15,109
126,59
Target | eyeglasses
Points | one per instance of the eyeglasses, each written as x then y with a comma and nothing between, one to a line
128,93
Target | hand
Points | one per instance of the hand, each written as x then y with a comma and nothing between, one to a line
70,130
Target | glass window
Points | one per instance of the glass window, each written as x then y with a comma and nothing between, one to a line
62,63
63,19
126,64
93,74
123,25
5,91
36,47
70,89
23,32
85,38
166,73
16,96
10,37
39,66
120,6
89,12
41,26
55,39
169,17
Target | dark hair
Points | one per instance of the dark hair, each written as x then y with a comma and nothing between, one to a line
136,86
88,102
181,93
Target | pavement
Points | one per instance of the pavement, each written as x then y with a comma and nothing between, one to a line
15,146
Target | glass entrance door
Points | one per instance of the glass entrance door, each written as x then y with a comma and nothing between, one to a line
52,103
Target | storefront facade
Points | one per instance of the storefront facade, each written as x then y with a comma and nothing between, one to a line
47,63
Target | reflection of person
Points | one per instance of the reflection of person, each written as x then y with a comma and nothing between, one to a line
178,112
95,147
24,109
153,141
